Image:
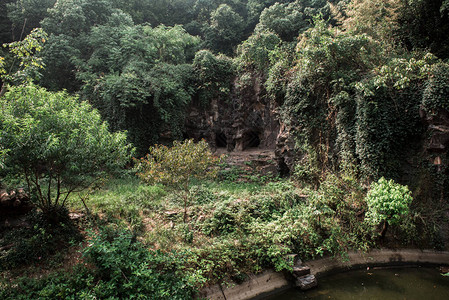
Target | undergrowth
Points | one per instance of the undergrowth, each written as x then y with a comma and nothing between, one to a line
140,245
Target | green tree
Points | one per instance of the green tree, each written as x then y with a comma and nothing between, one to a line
436,93
57,144
214,75
75,17
25,15
378,18
225,30
254,53
139,78
388,203
424,25
25,64
5,23
289,19
177,165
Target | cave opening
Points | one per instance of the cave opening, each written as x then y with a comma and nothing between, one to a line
220,140
283,169
252,140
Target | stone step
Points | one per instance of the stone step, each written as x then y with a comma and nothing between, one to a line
301,271
306,282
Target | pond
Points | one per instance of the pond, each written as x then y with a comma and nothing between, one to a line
391,283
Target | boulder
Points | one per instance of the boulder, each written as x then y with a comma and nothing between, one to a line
306,282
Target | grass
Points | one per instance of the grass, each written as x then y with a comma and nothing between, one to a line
234,227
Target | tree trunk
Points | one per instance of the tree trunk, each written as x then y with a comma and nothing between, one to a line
384,230
3,90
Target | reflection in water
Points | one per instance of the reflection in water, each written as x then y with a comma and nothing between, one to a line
383,284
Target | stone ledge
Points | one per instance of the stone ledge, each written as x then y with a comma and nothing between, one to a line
251,288
382,257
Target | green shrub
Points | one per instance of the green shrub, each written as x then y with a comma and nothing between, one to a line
127,269
119,268
175,166
436,93
38,242
57,144
388,203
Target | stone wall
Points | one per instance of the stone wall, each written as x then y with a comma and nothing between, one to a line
247,120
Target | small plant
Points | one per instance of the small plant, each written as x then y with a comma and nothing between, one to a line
176,166
126,269
39,242
388,203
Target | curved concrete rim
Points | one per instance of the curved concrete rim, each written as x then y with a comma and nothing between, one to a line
269,282
379,257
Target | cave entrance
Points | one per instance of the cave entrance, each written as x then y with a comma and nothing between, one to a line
283,169
220,140
252,140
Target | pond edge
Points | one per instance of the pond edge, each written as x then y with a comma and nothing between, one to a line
269,281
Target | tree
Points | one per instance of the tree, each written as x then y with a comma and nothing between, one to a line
29,64
25,15
388,203
435,95
57,144
289,19
214,75
378,18
225,31
254,53
176,166
139,78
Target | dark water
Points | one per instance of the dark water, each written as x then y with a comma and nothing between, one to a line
384,284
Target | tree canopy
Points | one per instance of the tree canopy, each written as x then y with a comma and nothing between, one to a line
57,144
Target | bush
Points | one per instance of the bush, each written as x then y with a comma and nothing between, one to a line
120,268
57,144
176,166
38,242
436,93
126,269
388,203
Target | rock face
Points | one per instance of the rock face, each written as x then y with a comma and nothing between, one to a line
303,279
13,203
247,121
438,128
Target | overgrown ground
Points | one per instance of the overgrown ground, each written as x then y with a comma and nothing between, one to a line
134,240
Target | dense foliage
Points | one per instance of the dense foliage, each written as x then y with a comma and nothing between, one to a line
359,86
119,267
388,202
57,144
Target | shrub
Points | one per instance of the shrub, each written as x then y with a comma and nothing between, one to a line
38,242
120,268
56,143
126,269
176,166
435,95
388,203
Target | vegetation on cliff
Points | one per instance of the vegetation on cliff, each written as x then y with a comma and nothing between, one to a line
360,87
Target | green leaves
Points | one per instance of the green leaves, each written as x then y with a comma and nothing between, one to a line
436,93
387,202
139,79
25,52
175,166
58,144
225,31
214,76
